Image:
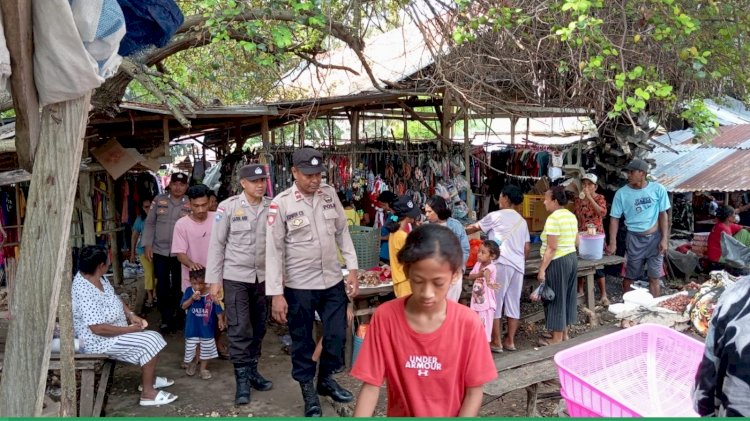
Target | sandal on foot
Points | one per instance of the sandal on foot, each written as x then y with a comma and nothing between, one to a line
191,367
205,374
543,342
546,335
496,349
162,398
509,348
159,383
604,302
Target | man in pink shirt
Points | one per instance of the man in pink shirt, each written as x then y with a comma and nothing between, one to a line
192,233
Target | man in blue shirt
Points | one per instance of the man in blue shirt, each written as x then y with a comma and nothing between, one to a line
644,205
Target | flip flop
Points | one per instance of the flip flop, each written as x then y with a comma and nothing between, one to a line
543,342
162,398
496,349
159,383
546,335
511,349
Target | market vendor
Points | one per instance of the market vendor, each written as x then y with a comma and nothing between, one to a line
727,219
590,208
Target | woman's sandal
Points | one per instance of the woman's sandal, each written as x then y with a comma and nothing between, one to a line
205,374
191,367
159,383
547,335
162,398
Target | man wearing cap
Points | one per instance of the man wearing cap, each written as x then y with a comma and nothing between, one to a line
306,227
590,208
237,255
158,229
644,205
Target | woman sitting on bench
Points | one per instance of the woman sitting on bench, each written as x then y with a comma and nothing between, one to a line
105,325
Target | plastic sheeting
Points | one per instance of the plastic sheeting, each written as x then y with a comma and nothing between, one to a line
150,22
734,252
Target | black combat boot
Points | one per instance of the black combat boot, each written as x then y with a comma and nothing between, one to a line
327,386
312,403
242,394
257,381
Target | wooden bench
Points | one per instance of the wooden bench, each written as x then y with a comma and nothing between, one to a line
91,399
528,368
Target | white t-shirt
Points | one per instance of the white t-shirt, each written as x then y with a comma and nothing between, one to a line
509,227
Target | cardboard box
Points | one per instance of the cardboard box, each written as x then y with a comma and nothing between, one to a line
115,159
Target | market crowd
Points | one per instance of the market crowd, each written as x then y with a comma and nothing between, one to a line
214,266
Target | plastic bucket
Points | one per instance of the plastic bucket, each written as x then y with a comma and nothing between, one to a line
591,247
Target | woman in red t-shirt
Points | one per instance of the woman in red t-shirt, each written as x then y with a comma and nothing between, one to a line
726,223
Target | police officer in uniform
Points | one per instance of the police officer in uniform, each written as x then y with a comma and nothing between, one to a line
237,255
306,227
165,210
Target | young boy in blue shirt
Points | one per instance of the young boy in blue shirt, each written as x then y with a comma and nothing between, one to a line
203,314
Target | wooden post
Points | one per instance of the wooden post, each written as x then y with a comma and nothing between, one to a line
18,35
114,245
513,121
165,136
467,160
18,214
87,208
445,121
264,135
67,344
301,133
354,124
43,251
239,140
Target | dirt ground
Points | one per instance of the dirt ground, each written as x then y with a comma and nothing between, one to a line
214,398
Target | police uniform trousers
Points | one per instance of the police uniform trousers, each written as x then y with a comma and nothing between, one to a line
331,307
247,311
168,273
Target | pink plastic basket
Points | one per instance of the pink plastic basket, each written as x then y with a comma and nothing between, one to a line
644,371
576,410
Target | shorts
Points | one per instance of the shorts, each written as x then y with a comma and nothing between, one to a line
137,347
509,293
208,349
643,249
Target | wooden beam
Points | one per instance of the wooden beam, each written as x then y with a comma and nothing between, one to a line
42,256
114,245
467,160
67,341
264,135
301,133
16,15
432,130
165,136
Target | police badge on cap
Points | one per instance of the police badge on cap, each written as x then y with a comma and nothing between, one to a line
179,177
253,172
308,161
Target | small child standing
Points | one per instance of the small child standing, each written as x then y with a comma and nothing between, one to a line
483,300
412,345
200,324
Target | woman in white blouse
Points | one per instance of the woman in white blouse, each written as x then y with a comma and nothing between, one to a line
105,325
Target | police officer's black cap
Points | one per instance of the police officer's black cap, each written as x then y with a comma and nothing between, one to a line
308,161
180,177
405,206
253,172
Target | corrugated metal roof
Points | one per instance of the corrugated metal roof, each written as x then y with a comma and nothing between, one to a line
688,165
737,137
729,111
728,175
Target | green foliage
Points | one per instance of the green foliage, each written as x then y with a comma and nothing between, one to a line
661,57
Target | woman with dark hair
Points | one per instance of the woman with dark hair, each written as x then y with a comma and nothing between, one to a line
437,212
105,325
726,223
559,265
385,200
399,225
508,228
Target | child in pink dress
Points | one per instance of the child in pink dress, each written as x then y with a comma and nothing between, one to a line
483,300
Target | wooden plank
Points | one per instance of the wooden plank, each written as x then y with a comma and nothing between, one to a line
520,377
531,396
42,257
114,245
18,29
107,370
509,360
67,338
87,392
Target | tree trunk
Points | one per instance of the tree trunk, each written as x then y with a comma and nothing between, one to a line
67,344
42,257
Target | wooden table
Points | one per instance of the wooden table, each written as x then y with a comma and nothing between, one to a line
586,269
91,399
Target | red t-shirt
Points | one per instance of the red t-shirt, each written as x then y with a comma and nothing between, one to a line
586,214
426,374
713,248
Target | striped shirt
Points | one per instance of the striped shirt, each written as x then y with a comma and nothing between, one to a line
563,224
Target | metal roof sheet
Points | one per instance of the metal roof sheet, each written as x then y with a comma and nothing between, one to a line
688,165
728,111
731,137
727,175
